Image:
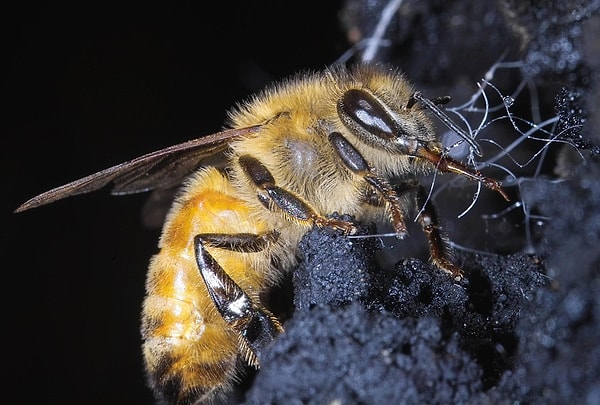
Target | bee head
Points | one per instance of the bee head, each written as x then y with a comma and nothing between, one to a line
380,126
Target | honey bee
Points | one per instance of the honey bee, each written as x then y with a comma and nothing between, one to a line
315,144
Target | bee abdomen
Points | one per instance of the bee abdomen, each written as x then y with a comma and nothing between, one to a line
191,354
189,384
179,349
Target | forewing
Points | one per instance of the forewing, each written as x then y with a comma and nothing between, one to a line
161,169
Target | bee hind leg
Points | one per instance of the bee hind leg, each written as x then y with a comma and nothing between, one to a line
255,324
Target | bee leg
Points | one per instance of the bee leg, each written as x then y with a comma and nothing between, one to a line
255,324
440,250
294,207
240,242
353,160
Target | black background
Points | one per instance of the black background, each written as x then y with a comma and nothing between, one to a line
89,86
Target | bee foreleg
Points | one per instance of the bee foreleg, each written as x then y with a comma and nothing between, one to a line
353,160
440,251
292,205
255,324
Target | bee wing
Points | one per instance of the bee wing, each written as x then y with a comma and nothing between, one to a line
164,168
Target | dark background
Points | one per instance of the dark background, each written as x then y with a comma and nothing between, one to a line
89,86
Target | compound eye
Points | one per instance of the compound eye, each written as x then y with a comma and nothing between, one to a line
363,113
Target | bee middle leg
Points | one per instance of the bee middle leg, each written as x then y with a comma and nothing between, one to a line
255,324
294,207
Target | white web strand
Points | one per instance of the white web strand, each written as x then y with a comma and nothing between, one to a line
374,41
